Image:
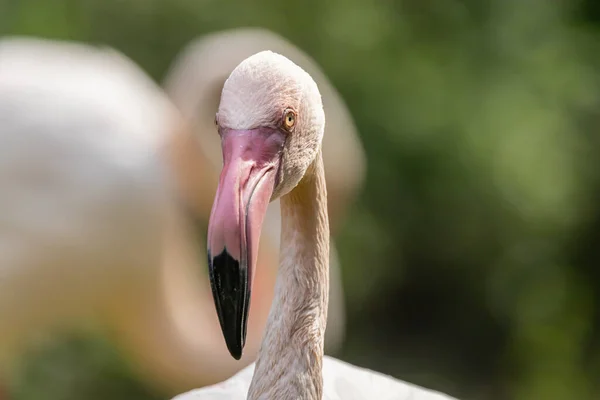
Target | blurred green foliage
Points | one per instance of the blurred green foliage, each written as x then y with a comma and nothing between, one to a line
77,366
472,251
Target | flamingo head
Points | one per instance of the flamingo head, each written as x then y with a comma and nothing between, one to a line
271,122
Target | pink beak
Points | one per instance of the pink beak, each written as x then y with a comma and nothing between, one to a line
251,163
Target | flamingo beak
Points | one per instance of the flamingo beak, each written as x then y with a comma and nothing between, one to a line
251,163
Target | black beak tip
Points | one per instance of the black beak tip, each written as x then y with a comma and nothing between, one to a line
229,283
235,350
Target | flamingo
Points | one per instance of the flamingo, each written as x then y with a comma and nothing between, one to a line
194,83
105,185
271,123
89,224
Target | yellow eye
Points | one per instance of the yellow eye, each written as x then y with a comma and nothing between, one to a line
289,119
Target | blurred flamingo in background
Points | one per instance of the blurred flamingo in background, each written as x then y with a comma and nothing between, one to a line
107,187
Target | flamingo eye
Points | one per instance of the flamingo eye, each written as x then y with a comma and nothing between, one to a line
289,119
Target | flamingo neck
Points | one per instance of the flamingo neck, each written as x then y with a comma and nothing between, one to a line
193,173
289,364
